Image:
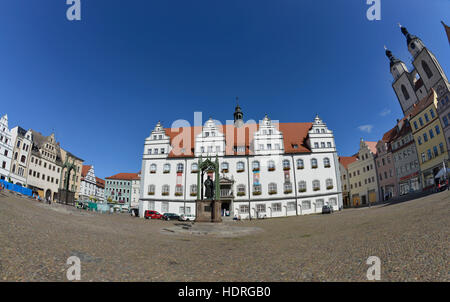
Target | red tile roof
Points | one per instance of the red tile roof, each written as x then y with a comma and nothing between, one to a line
390,135
183,140
100,182
372,146
124,176
84,170
347,160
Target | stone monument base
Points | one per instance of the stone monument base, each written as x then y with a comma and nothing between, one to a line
208,211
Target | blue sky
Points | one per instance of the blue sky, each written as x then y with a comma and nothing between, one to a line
103,82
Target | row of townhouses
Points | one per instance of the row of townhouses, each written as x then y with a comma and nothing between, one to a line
38,162
412,155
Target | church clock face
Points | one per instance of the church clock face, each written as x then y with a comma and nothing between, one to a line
440,90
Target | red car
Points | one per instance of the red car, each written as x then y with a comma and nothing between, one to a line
152,215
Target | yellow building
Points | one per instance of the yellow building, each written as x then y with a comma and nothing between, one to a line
429,138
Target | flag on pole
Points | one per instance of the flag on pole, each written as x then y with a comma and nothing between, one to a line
447,30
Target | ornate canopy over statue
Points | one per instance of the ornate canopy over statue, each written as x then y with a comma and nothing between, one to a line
211,191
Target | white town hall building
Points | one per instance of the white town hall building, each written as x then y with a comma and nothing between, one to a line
266,169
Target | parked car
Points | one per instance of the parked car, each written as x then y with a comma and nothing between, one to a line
186,217
170,216
327,209
152,215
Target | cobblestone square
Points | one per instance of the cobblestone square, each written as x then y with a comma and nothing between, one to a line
411,239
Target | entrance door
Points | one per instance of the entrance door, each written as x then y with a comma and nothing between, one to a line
48,195
226,211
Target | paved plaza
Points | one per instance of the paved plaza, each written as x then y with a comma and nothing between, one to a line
411,239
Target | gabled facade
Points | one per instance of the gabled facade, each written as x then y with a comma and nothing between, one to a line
44,170
266,169
344,161
91,187
6,148
22,144
362,175
406,162
387,179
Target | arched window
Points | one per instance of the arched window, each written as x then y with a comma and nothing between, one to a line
255,165
286,164
224,167
194,167
151,190
405,92
23,158
326,162
316,185
180,167
302,186
300,164
329,182
240,167
153,168
165,190
313,163
427,69
271,165
240,190
272,188
166,168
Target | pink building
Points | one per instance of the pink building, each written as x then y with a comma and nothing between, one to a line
387,179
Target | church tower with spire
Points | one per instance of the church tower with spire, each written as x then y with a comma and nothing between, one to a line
403,84
412,86
238,115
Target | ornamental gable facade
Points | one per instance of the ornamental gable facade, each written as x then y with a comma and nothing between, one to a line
266,170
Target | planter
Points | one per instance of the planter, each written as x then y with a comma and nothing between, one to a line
240,193
300,168
286,168
193,194
194,171
255,169
165,193
329,187
316,189
288,192
272,192
152,172
224,170
302,190
327,166
240,171
166,172
178,194
151,193
314,167
256,193
271,169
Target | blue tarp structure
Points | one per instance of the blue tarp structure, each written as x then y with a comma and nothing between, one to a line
16,188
